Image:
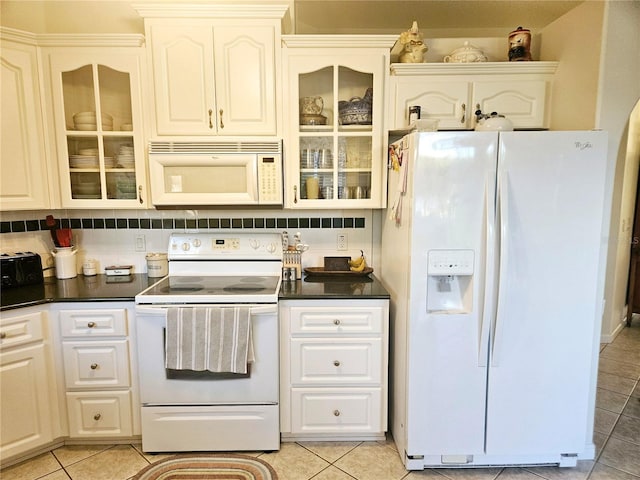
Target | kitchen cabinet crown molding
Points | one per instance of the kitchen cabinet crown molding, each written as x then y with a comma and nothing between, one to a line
337,41
181,10
19,36
72,39
91,40
481,68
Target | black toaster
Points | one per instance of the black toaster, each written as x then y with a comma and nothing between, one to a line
21,268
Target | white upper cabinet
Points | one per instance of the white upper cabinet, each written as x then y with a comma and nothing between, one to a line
97,113
24,180
451,93
334,114
215,70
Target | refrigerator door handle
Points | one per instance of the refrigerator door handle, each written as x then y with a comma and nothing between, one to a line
489,259
503,224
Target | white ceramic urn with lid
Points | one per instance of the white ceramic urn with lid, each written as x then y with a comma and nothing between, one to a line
466,54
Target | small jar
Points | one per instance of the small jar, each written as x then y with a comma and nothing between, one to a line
90,267
157,265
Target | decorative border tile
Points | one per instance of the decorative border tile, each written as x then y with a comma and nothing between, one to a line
236,223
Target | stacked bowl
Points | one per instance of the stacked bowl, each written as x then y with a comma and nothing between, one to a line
87,121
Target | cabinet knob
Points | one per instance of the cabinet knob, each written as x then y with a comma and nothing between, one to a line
336,413
94,366
336,321
140,195
336,363
295,194
210,119
221,122
97,416
91,324
3,335
464,113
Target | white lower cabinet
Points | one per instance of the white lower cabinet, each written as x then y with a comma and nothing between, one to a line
97,357
100,413
28,404
334,360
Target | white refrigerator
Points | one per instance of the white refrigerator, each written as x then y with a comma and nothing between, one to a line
492,250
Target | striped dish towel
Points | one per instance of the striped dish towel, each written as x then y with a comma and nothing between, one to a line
217,339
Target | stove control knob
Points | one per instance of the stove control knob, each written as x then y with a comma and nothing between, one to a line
271,248
255,244
186,246
197,242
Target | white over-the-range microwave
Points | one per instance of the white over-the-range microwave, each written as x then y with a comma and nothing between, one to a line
215,173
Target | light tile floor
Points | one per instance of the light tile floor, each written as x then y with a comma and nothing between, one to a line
617,437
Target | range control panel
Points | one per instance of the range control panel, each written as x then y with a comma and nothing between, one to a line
203,246
450,262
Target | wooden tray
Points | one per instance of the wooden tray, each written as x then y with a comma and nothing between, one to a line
320,271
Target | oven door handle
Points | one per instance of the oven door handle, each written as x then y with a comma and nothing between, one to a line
162,310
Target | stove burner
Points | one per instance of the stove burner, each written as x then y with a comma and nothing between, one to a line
244,288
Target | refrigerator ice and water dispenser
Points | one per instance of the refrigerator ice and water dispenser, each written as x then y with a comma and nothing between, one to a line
450,281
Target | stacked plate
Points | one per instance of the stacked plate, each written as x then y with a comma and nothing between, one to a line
87,121
83,161
126,158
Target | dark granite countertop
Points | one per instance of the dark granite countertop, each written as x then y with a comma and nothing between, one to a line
97,288
340,287
103,288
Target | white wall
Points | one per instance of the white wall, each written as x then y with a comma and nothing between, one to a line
619,92
574,41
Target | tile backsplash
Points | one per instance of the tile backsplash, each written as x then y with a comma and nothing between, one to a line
124,237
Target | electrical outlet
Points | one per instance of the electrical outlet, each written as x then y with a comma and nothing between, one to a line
141,244
342,241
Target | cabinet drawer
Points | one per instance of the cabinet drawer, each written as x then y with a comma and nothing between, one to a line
99,414
21,329
336,320
96,364
336,361
93,323
344,410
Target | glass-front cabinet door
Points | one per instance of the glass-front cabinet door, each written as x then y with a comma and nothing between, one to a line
335,140
97,117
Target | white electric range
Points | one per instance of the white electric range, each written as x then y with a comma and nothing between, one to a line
205,411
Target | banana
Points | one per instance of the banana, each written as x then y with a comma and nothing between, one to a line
358,264
360,267
358,261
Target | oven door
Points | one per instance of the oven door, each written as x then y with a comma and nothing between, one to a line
157,388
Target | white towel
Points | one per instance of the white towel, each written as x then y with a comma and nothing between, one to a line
217,339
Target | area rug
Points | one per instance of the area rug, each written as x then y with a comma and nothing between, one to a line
208,466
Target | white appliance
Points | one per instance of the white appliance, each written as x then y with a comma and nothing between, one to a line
491,252
203,411
215,173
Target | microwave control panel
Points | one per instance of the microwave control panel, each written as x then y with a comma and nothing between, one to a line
269,180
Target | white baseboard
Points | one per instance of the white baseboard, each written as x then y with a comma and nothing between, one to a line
610,337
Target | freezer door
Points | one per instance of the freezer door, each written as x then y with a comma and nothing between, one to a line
452,179
550,210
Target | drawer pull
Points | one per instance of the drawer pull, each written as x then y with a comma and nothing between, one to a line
336,413
97,416
91,324
336,321
336,363
3,335
94,366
